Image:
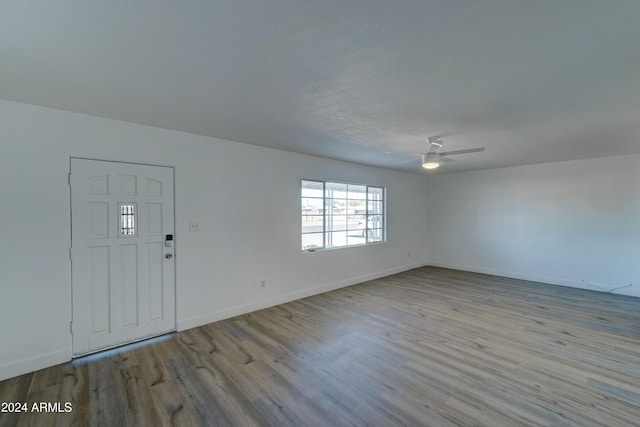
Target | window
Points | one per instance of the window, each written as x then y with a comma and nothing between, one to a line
127,219
336,214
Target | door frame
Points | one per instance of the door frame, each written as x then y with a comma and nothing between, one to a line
175,244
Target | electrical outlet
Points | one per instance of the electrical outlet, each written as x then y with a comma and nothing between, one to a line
194,226
263,284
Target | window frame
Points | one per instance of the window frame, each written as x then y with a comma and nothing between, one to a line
369,212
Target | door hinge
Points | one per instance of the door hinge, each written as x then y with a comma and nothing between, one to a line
69,179
71,327
70,254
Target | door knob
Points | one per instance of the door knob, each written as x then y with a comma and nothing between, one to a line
168,256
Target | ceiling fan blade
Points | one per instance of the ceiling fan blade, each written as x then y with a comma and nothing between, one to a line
469,150
435,143
446,159
413,159
437,138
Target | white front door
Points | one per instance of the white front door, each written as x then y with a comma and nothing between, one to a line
122,264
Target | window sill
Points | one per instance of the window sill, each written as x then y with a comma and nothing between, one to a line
343,247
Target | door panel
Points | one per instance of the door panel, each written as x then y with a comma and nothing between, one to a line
123,285
129,282
99,287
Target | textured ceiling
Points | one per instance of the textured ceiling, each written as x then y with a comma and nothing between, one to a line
363,81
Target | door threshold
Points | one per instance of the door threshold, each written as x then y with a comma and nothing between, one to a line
130,345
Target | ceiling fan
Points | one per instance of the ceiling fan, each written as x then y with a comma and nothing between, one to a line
433,158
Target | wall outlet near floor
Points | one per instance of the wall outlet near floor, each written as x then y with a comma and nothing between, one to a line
194,226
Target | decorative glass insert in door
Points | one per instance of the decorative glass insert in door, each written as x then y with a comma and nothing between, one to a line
127,219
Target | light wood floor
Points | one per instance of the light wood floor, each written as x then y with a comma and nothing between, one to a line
426,347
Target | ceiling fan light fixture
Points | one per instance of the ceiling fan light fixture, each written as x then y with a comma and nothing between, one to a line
430,161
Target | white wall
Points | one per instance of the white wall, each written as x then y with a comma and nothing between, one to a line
573,223
245,198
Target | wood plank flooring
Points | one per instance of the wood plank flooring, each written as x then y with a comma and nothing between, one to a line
428,347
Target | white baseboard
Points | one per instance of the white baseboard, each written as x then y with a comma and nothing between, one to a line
536,278
281,299
34,363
